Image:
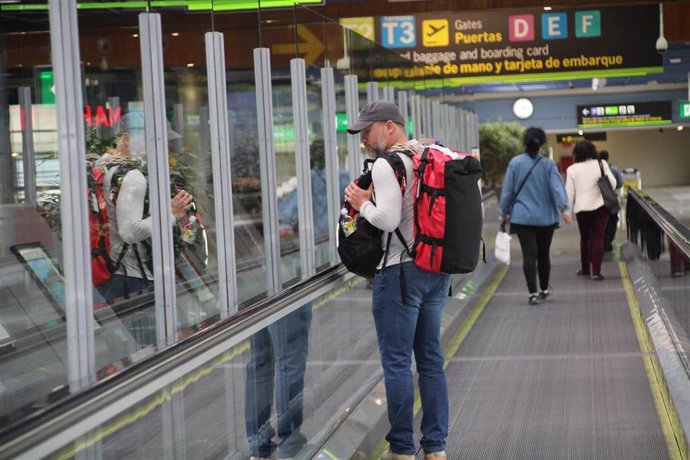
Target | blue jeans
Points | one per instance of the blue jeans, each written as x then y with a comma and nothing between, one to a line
402,329
278,357
121,286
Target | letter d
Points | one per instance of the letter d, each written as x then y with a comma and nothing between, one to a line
521,28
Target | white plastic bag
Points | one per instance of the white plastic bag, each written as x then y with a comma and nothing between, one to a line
502,251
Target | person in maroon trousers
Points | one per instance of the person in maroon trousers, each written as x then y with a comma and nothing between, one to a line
588,205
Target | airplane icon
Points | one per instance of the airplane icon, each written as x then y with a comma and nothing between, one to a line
435,30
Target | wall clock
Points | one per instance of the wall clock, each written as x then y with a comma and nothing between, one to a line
523,108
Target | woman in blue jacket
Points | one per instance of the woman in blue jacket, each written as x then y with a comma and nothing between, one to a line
533,198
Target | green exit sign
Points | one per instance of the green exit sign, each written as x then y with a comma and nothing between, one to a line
684,110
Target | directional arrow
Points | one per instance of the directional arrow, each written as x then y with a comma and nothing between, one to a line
310,46
585,112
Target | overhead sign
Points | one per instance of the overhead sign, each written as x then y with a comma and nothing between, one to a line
624,114
523,44
191,5
569,138
684,110
363,26
309,45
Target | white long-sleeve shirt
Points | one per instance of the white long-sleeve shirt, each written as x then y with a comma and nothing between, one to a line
392,209
581,185
127,224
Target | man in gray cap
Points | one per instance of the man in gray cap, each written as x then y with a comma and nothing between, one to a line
125,190
402,327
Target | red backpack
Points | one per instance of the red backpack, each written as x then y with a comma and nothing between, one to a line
447,211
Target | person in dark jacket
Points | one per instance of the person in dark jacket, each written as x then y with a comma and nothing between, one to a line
533,198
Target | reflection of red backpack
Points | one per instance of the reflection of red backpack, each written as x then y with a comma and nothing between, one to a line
102,267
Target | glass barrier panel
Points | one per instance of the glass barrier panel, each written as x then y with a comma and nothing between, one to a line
316,37
279,35
275,393
117,186
241,37
189,146
33,343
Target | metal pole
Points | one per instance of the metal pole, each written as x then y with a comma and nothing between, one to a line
64,40
330,142
435,107
178,123
156,132
304,197
389,94
404,109
264,109
372,91
28,161
352,109
114,108
220,157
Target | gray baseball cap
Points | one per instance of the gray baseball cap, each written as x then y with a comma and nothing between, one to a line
376,111
134,120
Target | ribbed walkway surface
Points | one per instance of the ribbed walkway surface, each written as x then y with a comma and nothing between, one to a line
560,380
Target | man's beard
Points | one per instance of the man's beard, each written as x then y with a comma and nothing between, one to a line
380,146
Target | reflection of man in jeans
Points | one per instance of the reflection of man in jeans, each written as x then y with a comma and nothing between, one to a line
278,360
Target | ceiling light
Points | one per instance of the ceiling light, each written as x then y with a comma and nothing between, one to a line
680,128
175,34
580,132
191,64
135,35
547,8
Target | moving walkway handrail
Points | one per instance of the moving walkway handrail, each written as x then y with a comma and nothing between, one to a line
666,223
152,373
95,405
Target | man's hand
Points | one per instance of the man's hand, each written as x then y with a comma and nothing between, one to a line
180,204
357,196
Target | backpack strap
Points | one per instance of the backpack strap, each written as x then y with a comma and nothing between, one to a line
115,183
401,175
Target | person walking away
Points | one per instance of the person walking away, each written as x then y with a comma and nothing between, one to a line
612,224
402,327
533,197
587,203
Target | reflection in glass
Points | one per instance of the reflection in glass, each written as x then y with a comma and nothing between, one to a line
276,367
33,355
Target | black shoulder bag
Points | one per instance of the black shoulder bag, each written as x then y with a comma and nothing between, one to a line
607,193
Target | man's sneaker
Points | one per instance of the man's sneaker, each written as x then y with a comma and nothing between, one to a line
435,455
534,299
391,456
597,277
544,293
